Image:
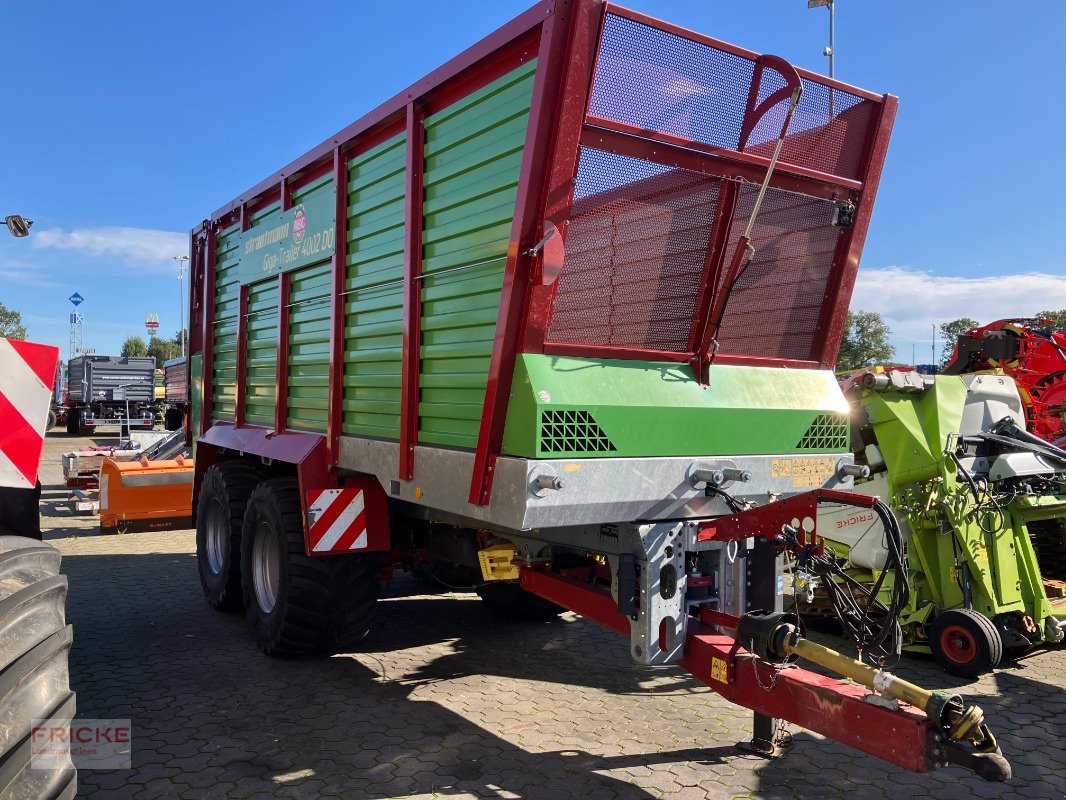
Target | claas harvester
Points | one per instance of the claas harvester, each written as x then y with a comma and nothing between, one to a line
559,318
982,505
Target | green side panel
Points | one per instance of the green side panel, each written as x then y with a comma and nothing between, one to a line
473,156
373,305
262,353
196,396
308,394
301,235
227,307
587,408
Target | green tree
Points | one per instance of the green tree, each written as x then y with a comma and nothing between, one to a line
1058,318
11,326
865,341
134,347
163,350
950,333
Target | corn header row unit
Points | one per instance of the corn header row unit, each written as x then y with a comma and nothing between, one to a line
557,321
981,503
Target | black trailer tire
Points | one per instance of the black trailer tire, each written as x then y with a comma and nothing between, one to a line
80,428
34,680
51,420
224,494
965,643
72,421
173,419
297,604
508,600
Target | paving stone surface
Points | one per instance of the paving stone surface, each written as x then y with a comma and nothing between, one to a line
444,700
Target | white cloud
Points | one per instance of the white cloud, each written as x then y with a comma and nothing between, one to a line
912,300
26,274
140,247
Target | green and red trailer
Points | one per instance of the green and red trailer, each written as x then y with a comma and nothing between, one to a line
558,321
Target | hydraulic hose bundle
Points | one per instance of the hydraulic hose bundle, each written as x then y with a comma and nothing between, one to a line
871,624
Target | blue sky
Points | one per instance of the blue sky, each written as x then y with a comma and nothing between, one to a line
128,122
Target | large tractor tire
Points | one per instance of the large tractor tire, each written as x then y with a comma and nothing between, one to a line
297,604
965,643
509,601
34,682
224,494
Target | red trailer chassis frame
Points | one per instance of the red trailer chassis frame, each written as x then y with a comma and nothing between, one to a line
832,707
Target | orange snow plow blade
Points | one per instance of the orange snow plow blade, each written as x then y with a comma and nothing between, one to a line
145,495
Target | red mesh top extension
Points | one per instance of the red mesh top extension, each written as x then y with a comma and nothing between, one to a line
659,163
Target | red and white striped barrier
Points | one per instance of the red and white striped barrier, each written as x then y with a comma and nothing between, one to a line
336,520
27,375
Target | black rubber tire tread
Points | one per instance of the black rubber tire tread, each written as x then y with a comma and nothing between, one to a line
508,600
326,603
232,484
989,642
31,615
31,688
51,420
21,778
23,562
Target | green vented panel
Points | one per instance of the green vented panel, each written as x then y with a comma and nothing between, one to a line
373,305
262,353
308,378
601,408
827,432
473,155
227,306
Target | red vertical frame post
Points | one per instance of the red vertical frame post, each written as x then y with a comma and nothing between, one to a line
563,164
335,413
699,342
281,374
564,65
412,297
242,358
210,255
846,261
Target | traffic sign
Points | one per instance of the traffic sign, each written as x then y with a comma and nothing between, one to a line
76,299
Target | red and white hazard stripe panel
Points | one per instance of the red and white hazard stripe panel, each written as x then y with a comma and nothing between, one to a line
27,374
336,520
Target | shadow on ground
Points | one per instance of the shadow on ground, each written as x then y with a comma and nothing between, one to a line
442,699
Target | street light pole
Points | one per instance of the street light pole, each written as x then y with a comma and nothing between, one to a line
830,51
181,298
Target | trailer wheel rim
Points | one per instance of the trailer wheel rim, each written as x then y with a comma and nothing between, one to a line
958,644
217,538
266,568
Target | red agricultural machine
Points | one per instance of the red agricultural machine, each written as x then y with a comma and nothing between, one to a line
1030,351
560,319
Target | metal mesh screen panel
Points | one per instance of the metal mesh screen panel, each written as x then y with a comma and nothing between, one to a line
663,82
776,303
635,252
